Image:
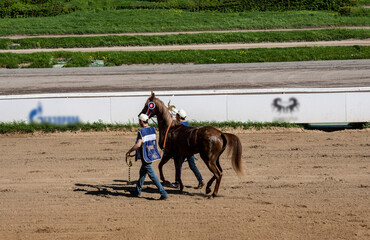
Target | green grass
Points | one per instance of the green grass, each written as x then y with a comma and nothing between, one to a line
83,59
120,21
174,39
23,8
246,125
22,127
222,5
364,2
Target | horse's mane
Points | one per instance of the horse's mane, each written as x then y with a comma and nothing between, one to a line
163,110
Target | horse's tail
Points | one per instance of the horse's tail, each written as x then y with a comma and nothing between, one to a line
235,147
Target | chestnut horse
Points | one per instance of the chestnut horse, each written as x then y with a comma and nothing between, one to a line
177,140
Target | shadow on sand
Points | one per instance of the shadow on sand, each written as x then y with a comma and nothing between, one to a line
122,188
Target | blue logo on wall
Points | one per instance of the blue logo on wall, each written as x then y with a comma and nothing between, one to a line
37,116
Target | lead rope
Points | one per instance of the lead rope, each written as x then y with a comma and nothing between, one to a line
154,122
129,164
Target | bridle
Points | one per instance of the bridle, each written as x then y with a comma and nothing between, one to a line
151,106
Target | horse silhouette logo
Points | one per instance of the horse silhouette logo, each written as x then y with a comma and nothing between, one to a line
152,151
285,106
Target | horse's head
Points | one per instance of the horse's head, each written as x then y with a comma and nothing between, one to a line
151,106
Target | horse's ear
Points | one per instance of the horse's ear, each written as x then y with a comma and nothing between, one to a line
152,96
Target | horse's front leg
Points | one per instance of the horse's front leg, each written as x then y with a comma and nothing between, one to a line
163,161
178,163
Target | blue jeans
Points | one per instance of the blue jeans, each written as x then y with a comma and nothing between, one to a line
147,168
192,166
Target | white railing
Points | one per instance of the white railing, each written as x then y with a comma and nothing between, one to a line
296,105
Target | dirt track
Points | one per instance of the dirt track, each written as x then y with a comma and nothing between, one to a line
298,185
311,74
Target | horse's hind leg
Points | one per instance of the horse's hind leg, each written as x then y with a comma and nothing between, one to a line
209,184
213,178
217,175
178,161
215,167
208,188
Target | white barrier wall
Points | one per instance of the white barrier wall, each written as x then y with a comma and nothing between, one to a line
288,105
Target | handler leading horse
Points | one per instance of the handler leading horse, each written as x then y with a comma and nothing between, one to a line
176,140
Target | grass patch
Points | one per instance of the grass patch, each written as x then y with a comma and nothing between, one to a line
22,127
360,125
246,125
364,2
83,59
120,21
39,8
366,125
181,39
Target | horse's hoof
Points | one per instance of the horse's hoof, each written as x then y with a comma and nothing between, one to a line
208,190
166,183
210,197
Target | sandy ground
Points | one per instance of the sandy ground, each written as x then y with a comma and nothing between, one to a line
298,184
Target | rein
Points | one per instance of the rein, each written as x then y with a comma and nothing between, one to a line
165,136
